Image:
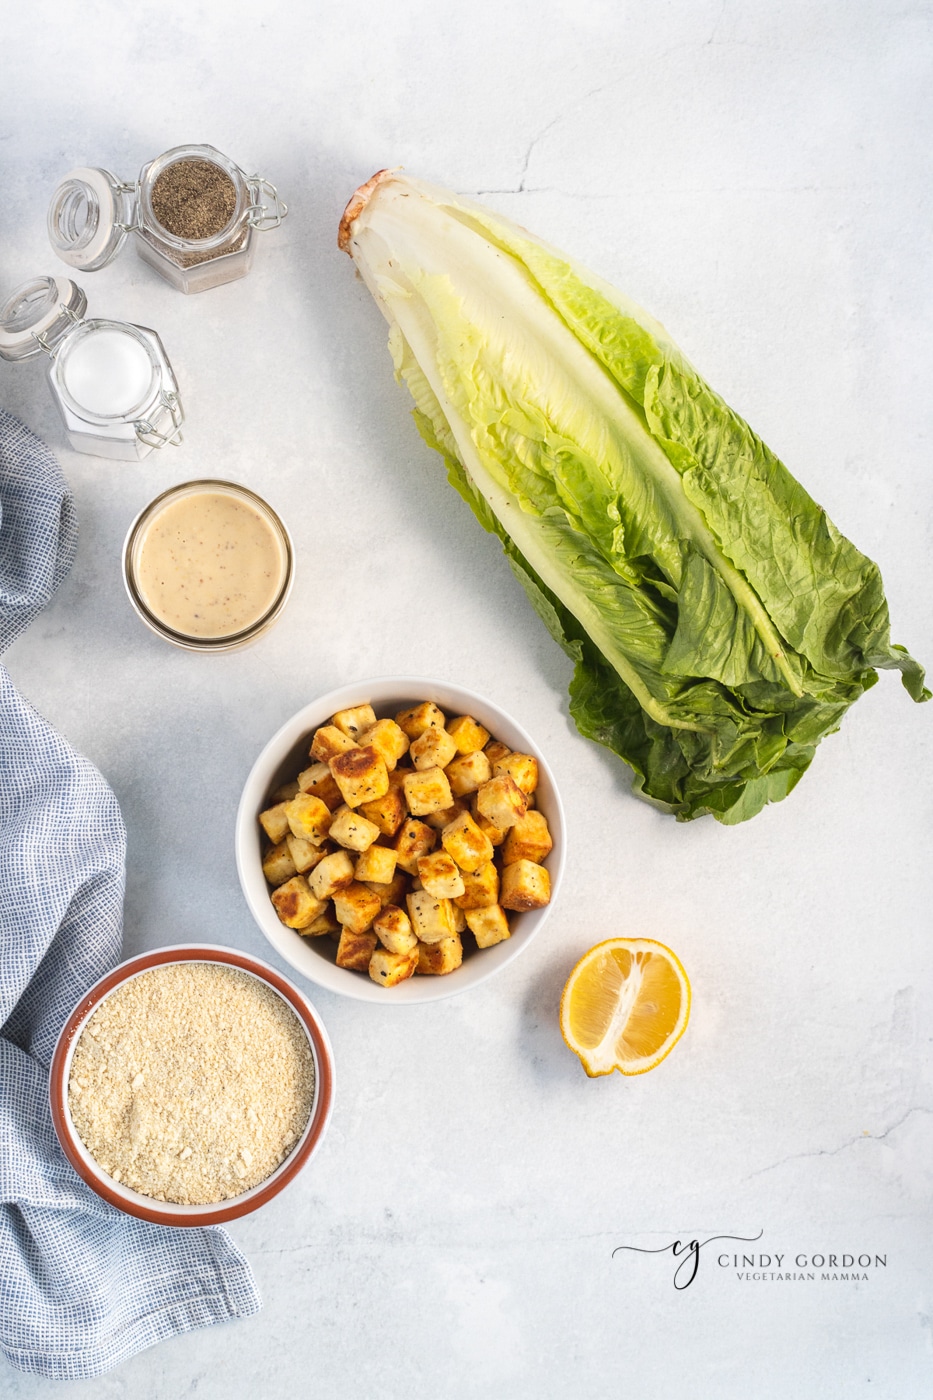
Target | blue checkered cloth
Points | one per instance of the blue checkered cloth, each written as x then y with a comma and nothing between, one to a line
82,1286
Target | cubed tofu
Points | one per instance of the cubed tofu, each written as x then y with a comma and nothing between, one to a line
274,822
413,840
489,925
352,831
352,722
304,854
319,781
392,893
431,918
387,811
459,918
295,904
331,874
446,815
377,865
361,775
521,767
308,817
328,742
324,923
525,885
392,927
528,839
427,791
419,718
488,828
388,969
502,801
463,840
436,959
356,907
468,773
277,864
496,750
286,792
467,734
388,739
434,749
355,949
480,888
440,876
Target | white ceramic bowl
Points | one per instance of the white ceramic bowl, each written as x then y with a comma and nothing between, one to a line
283,758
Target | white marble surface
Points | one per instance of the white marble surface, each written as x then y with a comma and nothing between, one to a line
758,174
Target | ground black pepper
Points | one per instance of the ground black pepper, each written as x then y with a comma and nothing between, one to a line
193,199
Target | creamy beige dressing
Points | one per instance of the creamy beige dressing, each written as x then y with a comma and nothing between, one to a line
209,565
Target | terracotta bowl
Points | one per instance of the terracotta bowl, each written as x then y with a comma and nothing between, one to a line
287,753
165,1212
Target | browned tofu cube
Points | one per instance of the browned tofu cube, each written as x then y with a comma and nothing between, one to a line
277,864
468,773
328,742
431,918
388,969
352,722
502,801
352,831
488,926
440,876
286,792
274,822
467,734
355,949
361,776
480,888
434,749
414,840
392,893
356,907
305,856
427,791
525,886
528,839
496,750
319,781
377,865
521,767
324,923
463,840
436,959
419,718
294,903
392,927
459,917
387,811
389,741
446,815
495,834
331,874
308,818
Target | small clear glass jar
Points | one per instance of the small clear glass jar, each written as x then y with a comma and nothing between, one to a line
237,633
112,381
92,212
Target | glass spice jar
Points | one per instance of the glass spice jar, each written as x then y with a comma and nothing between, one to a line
193,211
112,380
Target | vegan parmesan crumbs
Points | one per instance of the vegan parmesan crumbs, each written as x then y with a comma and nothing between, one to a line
191,1083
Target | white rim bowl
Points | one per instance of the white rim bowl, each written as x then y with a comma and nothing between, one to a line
283,758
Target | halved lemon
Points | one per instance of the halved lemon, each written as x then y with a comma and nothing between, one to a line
625,1006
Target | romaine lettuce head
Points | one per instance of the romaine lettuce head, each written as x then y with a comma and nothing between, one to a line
719,623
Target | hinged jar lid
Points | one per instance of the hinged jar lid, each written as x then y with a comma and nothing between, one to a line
89,217
38,316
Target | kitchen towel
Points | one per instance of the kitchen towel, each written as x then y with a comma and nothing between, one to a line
82,1286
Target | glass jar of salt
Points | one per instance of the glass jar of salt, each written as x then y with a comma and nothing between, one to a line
112,381
193,211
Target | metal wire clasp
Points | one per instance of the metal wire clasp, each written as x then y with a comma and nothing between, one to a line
41,337
149,434
266,210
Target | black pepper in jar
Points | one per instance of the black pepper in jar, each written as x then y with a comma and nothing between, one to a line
193,199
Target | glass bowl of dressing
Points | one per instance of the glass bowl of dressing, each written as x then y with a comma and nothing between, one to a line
208,565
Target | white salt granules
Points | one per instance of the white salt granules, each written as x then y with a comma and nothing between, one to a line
191,1083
